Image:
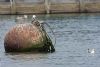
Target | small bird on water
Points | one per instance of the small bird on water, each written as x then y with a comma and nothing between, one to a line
21,19
92,51
34,17
24,17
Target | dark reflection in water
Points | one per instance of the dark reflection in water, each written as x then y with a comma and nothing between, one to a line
75,33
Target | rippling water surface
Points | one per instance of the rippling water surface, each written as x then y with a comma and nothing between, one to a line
75,34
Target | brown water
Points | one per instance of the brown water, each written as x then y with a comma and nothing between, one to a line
75,33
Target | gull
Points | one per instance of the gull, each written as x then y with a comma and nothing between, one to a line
25,17
34,17
22,19
92,51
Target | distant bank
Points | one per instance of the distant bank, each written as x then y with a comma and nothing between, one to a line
49,6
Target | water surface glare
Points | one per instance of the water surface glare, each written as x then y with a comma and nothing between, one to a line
75,34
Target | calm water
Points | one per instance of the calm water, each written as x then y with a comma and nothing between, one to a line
75,33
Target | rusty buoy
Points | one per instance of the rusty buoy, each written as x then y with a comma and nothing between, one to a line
28,37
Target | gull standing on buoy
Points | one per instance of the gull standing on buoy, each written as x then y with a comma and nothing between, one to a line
35,21
33,17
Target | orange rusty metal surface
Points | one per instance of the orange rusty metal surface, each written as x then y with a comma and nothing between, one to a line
23,36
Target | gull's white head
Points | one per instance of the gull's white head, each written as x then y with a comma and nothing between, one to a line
25,16
34,16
